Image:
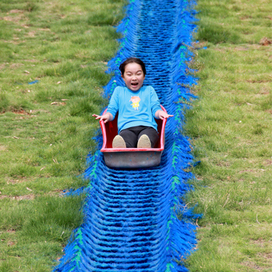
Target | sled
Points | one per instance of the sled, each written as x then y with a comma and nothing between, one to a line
131,157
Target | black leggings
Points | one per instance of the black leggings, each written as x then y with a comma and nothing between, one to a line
131,135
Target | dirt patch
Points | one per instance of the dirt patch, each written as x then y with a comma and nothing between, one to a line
13,18
259,242
58,103
39,111
240,49
268,162
31,34
267,256
16,11
245,18
44,29
248,170
16,181
15,41
11,243
264,91
24,197
219,49
16,65
32,60
259,81
252,265
22,112
58,191
265,41
28,197
3,148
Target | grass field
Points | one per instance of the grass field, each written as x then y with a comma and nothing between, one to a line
231,130
53,56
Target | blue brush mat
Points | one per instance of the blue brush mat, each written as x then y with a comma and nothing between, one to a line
135,220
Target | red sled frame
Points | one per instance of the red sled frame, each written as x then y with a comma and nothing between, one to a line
131,157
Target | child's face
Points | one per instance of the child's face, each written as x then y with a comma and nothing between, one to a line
133,76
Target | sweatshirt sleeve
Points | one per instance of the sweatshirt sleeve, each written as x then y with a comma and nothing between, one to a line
155,103
114,102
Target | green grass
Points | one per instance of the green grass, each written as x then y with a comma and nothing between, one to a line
46,128
230,126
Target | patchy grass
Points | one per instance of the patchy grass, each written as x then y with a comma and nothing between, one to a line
53,58
62,47
230,126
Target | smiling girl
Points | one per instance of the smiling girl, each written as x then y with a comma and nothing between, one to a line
137,105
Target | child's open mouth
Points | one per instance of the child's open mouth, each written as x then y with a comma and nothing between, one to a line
134,83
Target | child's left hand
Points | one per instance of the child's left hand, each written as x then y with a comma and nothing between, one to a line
160,114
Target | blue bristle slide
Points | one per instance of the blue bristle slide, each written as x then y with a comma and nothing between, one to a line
136,220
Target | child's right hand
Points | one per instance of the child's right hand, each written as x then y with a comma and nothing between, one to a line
105,117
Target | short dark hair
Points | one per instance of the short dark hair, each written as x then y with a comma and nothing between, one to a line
132,60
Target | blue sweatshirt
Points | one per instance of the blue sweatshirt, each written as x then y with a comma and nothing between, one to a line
134,108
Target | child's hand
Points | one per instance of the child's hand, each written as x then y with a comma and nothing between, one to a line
105,117
160,114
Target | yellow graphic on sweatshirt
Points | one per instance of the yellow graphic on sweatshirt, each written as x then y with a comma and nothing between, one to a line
135,102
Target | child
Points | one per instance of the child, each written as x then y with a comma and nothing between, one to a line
137,106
